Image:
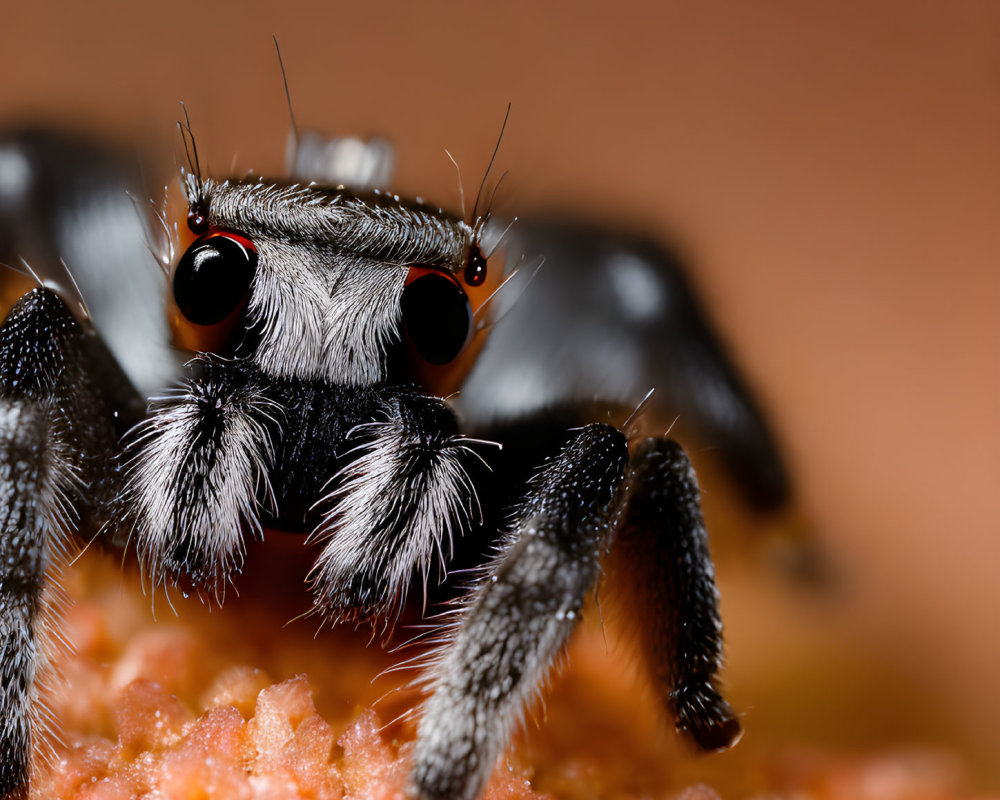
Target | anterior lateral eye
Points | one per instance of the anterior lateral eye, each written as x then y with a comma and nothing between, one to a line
213,277
436,314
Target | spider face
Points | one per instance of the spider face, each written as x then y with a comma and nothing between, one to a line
325,298
324,320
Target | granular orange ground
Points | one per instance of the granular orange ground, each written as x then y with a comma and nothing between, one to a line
232,703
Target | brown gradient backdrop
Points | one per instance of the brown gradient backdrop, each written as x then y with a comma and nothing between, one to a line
834,175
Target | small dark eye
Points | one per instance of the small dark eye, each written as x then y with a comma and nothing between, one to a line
197,221
475,270
213,277
437,317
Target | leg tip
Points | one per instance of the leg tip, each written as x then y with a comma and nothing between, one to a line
717,735
707,721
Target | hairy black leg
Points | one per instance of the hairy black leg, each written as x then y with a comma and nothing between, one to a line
24,543
520,616
197,471
400,500
57,433
663,547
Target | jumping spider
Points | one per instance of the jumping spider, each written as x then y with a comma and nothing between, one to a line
335,317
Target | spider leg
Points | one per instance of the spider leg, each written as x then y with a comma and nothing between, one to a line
667,569
57,435
520,617
26,536
401,500
197,471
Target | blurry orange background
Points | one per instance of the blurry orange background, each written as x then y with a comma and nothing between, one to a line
833,174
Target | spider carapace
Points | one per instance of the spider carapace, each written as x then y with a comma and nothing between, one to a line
327,324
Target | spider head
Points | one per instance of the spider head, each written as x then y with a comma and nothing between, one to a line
319,283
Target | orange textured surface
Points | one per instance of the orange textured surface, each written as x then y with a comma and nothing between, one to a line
207,705
163,710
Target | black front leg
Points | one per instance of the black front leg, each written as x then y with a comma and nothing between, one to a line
26,539
520,617
57,434
667,568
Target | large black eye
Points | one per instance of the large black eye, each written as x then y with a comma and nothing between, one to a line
213,276
437,317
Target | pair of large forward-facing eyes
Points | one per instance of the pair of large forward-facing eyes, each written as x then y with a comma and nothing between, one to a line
213,277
